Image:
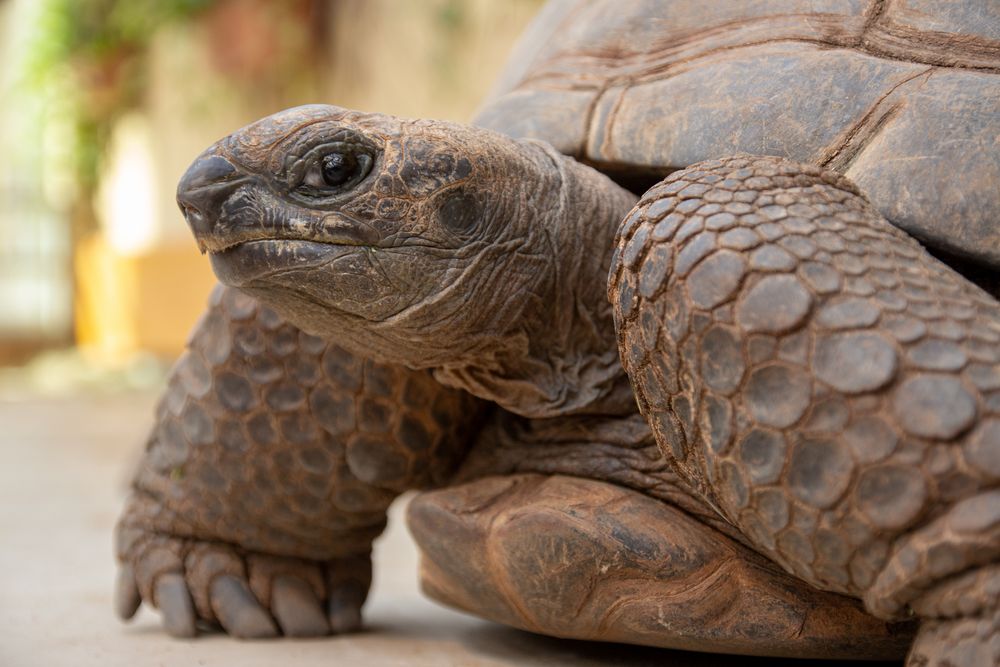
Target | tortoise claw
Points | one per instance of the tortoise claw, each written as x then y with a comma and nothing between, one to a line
238,610
344,610
297,609
174,601
347,583
127,597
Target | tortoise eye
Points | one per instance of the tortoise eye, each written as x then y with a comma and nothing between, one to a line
337,168
334,170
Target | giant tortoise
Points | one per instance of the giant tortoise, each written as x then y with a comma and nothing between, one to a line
746,411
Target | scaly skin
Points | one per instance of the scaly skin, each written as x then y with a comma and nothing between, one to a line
485,259
275,456
827,383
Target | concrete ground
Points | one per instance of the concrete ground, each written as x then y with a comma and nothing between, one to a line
63,473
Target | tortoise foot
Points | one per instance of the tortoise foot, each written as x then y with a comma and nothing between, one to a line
583,559
249,595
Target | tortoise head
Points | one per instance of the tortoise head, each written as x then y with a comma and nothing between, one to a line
411,241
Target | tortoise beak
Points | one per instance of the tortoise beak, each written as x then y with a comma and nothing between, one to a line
203,189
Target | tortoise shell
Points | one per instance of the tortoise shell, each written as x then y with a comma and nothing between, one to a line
902,96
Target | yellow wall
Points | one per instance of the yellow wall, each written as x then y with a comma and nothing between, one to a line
147,301
104,299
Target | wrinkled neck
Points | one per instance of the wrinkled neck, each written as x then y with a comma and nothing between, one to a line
559,355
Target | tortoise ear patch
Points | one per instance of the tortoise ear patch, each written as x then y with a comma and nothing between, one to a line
459,212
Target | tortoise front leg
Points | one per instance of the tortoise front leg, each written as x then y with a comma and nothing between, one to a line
268,474
832,386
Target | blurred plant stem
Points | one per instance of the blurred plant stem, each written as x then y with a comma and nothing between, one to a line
91,55
96,64
94,56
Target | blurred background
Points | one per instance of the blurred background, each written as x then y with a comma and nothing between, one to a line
104,103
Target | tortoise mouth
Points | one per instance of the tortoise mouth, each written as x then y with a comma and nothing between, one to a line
243,262
333,229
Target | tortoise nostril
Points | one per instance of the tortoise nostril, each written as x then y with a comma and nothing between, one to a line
196,211
200,224
203,189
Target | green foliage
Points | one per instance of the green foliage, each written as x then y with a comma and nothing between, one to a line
75,30
90,54
451,15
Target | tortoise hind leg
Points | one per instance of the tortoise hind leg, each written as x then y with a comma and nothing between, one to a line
584,559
